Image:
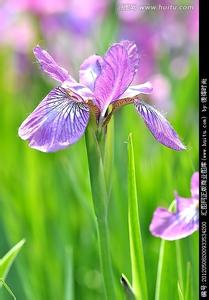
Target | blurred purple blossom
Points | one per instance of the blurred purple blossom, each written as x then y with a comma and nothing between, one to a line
184,221
160,34
39,7
62,116
161,95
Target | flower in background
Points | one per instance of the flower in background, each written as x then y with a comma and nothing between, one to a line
176,225
153,30
105,85
39,7
162,95
17,31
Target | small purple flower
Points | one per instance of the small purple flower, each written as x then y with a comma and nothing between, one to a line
62,116
176,225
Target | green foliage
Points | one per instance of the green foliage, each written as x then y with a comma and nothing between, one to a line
135,238
7,260
5,264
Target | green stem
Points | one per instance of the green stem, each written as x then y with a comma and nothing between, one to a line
179,265
105,258
187,291
159,270
160,263
100,201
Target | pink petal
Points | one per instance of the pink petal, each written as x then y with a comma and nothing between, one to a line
133,54
173,226
135,90
118,69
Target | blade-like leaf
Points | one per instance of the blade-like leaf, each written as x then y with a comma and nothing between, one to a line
139,282
7,260
7,288
181,296
127,288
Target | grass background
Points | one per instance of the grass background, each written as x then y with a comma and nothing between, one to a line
46,198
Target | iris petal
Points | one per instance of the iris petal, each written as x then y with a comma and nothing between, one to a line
159,126
135,90
117,72
173,226
58,121
133,54
89,70
50,67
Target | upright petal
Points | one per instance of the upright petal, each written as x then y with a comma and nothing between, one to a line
159,126
118,69
58,121
135,90
50,67
133,54
195,185
89,70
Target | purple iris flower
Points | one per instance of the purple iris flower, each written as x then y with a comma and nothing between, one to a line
176,225
62,116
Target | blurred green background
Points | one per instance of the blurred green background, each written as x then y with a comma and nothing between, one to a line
46,198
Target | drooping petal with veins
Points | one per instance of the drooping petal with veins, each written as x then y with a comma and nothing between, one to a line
159,126
57,122
50,67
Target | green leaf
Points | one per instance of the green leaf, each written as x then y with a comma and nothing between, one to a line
139,281
181,296
127,288
7,260
7,288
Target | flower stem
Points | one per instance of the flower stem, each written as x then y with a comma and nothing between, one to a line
160,264
100,201
159,270
105,258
